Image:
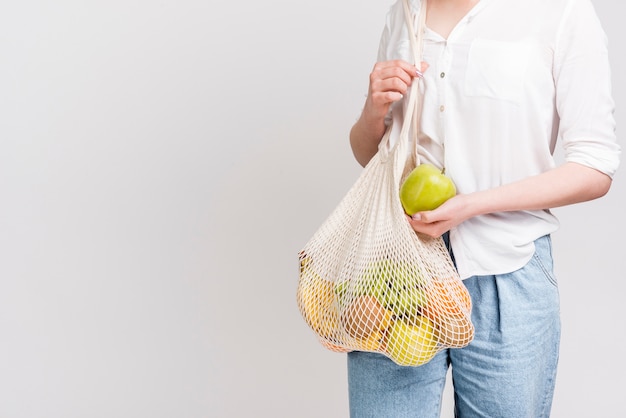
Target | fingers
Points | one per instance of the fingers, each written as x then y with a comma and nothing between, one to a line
424,224
433,230
400,70
390,80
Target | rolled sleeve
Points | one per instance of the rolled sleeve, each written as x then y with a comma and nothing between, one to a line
583,83
603,156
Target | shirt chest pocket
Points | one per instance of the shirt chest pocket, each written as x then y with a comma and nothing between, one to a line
496,69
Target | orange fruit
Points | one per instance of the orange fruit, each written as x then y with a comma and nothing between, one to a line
333,347
454,331
447,298
364,317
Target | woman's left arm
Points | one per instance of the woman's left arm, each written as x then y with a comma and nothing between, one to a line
567,184
585,106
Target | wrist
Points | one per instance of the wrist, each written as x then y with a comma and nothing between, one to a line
373,118
471,205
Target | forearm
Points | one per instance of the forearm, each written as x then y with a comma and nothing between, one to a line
365,136
567,184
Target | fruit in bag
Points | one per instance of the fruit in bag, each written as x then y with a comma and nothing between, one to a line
316,300
397,286
448,307
366,316
412,344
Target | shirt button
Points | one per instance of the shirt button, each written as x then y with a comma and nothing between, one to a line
442,75
442,108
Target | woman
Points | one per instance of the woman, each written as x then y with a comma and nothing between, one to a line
503,81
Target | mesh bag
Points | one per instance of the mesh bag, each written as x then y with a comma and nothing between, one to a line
367,281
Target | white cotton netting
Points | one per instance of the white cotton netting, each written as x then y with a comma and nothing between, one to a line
368,282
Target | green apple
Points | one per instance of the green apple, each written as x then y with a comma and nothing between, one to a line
397,286
378,280
408,298
412,344
341,290
425,188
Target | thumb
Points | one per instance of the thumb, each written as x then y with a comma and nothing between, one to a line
425,217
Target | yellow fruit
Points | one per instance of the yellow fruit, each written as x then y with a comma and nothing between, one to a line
372,343
365,316
329,323
316,299
412,344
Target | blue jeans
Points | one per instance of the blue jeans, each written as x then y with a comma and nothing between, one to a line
508,371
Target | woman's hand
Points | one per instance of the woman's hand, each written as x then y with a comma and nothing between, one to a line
389,82
435,223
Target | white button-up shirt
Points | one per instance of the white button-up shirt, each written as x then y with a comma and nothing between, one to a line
511,79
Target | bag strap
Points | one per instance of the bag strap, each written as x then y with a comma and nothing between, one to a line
417,46
416,37
412,110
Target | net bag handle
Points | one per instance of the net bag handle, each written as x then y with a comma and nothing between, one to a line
412,110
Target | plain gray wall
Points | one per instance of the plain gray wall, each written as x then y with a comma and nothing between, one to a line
161,164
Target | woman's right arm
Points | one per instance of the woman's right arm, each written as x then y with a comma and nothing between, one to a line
389,82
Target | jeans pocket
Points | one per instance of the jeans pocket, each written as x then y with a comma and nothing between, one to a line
543,258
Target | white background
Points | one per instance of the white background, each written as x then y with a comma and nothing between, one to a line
161,164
